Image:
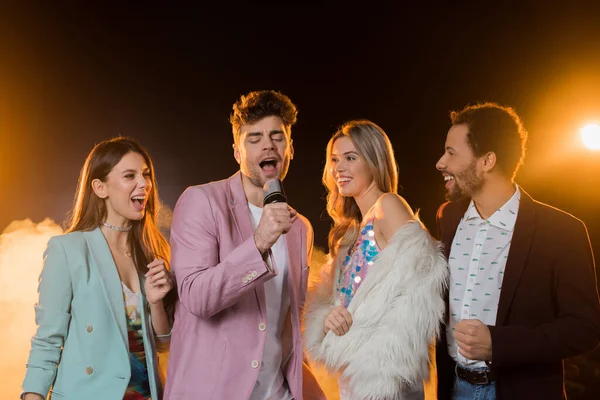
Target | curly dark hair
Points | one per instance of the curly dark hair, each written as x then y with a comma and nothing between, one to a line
260,104
495,128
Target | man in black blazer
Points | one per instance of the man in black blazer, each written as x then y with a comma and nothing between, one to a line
522,295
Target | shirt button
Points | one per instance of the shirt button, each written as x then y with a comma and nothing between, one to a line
89,370
89,328
262,327
254,274
254,364
245,279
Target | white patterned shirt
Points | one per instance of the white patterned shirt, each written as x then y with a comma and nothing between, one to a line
477,261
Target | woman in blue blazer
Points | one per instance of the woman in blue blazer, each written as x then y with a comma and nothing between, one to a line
105,293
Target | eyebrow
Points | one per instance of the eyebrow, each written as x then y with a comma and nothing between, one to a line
450,148
134,171
346,153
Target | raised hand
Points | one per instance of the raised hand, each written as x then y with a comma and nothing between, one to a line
277,219
158,281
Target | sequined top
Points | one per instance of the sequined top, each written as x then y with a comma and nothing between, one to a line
356,264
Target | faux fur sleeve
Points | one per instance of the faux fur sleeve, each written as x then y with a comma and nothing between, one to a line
319,301
396,315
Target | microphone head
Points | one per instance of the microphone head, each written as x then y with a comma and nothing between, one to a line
273,192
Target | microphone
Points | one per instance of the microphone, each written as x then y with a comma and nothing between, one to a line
273,192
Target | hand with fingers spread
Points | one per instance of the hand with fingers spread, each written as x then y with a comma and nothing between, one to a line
158,281
339,321
276,220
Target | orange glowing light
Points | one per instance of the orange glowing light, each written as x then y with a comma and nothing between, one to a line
590,136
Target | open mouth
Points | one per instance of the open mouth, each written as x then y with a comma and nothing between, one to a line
269,166
342,181
449,180
268,162
139,202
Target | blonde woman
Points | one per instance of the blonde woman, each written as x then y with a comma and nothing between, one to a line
375,313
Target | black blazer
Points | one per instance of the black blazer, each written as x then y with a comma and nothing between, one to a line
548,310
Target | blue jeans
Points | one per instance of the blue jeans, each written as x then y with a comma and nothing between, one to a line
464,390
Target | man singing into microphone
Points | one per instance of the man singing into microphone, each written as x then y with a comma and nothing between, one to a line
241,265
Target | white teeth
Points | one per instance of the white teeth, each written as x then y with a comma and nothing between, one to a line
140,198
344,180
266,161
448,178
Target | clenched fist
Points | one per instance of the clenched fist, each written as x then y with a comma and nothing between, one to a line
474,339
339,321
158,281
276,220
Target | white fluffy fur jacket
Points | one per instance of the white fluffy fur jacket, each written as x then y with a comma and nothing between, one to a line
396,313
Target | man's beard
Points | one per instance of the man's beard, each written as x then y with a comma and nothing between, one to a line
471,184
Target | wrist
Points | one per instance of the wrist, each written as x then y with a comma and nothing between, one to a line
156,304
259,246
32,396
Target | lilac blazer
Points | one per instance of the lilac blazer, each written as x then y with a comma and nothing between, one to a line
218,335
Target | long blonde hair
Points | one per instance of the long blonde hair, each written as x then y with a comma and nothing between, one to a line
89,210
374,146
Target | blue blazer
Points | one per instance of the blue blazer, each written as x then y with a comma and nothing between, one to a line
82,325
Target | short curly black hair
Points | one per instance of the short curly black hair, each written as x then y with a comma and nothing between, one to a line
495,128
260,104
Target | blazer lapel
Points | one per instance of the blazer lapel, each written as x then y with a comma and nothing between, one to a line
238,204
517,255
109,278
295,250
